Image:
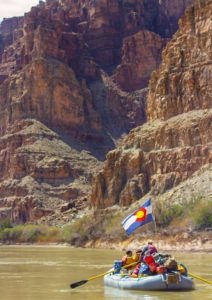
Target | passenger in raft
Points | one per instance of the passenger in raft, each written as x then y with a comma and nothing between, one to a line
138,256
128,259
147,263
149,249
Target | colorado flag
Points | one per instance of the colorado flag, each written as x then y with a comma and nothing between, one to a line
140,217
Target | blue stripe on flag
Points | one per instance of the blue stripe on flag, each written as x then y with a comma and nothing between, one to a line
147,203
136,224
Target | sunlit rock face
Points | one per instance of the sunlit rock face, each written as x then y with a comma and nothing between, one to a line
73,81
183,81
176,141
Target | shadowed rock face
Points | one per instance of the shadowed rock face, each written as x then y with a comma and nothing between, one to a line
177,139
141,54
73,81
85,33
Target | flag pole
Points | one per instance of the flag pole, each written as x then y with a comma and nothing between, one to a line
155,227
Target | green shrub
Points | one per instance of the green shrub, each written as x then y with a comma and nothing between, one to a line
203,216
164,215
112,221
194,201
32,233
77,233
5,224
12,234
28,235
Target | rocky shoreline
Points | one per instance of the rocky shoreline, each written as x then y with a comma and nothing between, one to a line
180,243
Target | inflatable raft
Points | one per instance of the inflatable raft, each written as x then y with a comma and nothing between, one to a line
159,282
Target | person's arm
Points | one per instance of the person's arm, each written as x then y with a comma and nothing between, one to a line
135,257
124,259
145,249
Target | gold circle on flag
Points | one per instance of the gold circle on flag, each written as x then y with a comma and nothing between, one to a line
140,214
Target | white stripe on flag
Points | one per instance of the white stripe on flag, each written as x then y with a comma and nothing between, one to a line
129,222
148,209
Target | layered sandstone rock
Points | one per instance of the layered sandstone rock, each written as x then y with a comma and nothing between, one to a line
183,81
171,11
42,173
50,92
177,139
65,100
85,32
10,47
141,54
42,170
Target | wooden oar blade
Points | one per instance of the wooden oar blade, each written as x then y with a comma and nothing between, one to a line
76,284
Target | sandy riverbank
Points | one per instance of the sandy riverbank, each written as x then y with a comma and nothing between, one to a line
181,242
184,242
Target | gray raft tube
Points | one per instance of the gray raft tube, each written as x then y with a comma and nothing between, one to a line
158,282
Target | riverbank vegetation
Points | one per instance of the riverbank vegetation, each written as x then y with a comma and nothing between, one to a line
106,226
198,210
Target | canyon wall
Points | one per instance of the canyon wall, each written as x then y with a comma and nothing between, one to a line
176,141
73,81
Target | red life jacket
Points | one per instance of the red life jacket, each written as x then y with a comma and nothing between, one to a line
150,261
152,249
161,270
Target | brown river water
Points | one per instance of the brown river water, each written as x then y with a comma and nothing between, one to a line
45,273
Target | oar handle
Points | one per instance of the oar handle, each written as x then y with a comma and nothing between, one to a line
78,283
124,267
195,276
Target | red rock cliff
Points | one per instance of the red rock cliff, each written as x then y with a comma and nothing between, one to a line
65,80
177,139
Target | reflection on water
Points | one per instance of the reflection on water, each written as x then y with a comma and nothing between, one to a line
45,273
115,293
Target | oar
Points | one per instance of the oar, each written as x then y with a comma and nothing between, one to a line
195,276
78,283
